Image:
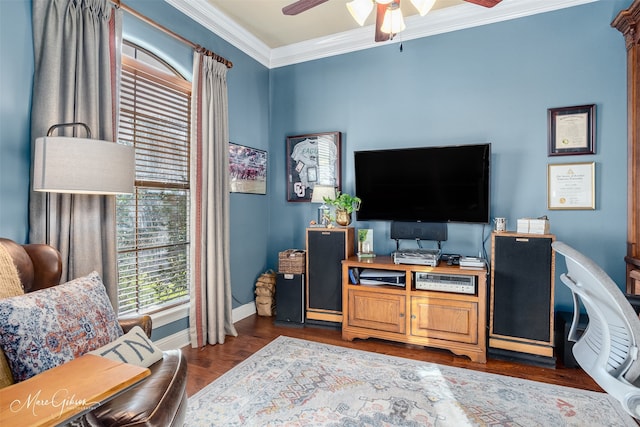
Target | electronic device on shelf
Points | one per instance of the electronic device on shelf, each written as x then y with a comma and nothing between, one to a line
371,276
459,284
471,262
430,257
451,259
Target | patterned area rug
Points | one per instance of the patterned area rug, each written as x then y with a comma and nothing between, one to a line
293,382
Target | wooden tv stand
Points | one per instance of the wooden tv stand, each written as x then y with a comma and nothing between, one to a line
446,320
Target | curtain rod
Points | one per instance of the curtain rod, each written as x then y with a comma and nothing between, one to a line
196,47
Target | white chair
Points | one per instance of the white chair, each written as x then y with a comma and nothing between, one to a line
608,348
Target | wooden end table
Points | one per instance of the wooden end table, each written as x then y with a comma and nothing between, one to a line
67,391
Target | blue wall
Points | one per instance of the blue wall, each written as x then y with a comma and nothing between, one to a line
492,83
16,76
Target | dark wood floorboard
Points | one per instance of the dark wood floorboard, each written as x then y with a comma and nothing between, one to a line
254,332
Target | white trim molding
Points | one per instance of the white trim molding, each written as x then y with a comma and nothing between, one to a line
178,340
170,315
220,24
181,338
243,311
437,22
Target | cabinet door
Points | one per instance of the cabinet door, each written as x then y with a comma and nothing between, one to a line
325,251
374,310
522,288
443,318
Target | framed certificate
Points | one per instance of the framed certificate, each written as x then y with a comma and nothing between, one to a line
571,130
571,186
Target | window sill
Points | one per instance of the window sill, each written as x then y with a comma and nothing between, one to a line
169,315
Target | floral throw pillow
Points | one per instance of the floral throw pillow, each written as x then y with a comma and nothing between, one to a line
46,328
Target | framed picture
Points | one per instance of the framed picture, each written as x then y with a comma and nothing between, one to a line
312,159
365,242
571,130
571,186
247,169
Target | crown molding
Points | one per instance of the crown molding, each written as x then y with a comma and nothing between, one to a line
220,24
437,22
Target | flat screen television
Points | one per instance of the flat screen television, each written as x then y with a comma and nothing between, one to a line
426,184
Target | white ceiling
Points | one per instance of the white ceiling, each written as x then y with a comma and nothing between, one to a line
264,18
262,31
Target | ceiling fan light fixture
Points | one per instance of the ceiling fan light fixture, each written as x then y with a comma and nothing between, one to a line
360,10
423,6
393,21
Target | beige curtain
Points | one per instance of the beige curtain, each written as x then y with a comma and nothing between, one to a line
76,64
210,317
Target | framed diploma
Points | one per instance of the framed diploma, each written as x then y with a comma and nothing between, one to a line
571,186
571,130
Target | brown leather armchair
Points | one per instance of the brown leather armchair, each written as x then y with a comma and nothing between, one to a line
159,400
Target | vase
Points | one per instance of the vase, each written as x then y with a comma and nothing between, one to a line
343,217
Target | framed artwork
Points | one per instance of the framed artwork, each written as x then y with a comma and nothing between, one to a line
247,169
571,186
571,130
312,159
365,243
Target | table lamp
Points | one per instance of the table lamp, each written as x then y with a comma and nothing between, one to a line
318,195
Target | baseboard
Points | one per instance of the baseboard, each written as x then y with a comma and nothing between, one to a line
177,340
181,338
243,311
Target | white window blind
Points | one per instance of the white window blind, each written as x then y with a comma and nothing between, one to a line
153,223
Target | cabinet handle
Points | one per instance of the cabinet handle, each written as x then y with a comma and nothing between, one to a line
413,316
401,314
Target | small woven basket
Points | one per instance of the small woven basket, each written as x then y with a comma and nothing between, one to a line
291,261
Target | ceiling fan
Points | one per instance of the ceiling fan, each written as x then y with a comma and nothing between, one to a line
386,11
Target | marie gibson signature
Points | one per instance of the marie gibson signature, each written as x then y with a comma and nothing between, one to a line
61,399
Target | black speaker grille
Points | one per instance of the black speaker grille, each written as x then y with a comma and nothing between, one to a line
434,231
522,288
290,298
326,251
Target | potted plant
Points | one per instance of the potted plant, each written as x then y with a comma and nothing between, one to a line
345,204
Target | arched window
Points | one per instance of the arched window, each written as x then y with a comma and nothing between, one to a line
153,222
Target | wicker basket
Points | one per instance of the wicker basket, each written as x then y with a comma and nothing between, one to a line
291,261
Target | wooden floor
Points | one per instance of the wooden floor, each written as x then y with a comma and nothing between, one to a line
254,332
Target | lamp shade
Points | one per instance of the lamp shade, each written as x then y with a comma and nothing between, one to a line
423,6
322,191
393,21
82,166
360,10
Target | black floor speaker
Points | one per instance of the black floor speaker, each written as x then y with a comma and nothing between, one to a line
290,299
521,322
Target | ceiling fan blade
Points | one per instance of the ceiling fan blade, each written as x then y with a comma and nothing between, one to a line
300,6
485,3
380,11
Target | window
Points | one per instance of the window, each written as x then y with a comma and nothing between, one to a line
153,222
